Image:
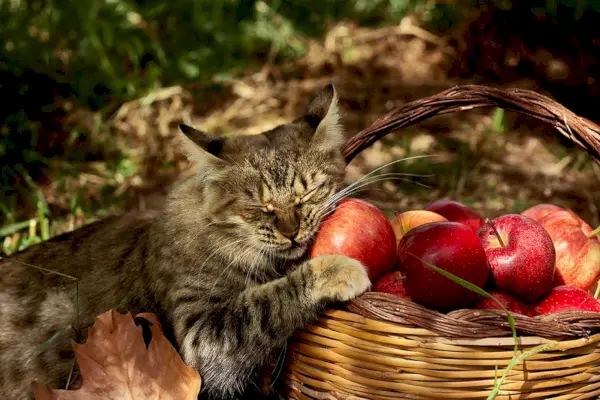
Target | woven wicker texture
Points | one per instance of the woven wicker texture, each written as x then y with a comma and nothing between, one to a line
384,347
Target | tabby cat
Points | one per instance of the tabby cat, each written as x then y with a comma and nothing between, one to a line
223,265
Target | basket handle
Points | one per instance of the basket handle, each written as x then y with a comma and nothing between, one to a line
580,130
468,323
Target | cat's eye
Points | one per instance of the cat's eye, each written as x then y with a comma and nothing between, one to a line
307,195
269,208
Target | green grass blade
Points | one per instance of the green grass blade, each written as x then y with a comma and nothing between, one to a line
44,224
474,288
511,321
513,328
460,281
595,232
50,341
514,362
13,228
498,122
495,375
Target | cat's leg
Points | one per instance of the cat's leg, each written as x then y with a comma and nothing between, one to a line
230,342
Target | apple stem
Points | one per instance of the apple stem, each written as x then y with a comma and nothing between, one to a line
593,233
488,221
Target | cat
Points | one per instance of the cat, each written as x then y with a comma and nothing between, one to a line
223,265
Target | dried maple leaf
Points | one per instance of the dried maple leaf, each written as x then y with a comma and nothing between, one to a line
115,364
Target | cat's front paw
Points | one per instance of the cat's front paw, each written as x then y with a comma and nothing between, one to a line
339,278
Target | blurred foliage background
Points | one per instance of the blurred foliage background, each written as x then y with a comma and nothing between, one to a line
93,92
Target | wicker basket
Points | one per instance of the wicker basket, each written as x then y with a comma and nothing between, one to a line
383,347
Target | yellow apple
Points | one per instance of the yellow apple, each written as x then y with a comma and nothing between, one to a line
407,220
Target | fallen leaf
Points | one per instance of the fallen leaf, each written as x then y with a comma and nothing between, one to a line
115,364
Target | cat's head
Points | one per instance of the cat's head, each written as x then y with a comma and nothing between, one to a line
272,190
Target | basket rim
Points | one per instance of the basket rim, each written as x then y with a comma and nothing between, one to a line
467,323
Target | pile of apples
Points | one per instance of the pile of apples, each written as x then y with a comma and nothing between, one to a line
542,261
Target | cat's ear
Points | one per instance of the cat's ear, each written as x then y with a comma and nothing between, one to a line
200,147
323,116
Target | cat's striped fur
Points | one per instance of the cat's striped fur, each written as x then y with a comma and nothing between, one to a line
223,265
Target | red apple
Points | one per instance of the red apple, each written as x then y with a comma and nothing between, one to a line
577,254
405,221
451,246
392,283
508,301
457,212
566,298
539,211
521,256
359,230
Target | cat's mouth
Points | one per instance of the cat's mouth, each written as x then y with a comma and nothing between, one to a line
293,250
301,246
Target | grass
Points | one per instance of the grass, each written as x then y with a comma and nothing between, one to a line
513,363
36,230
476,289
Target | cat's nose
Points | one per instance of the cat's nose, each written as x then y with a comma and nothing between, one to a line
290,233
288,223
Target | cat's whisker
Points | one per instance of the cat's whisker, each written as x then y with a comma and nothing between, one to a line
209,224
257,252
342,193
312,236
279,365
379,178
271,260
369,178
387,165
219,248
374,179
361,188
265,256
396,162
239,255
332,207
235,259
255,263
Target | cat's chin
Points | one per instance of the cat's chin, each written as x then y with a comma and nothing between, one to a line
297,252
293,252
